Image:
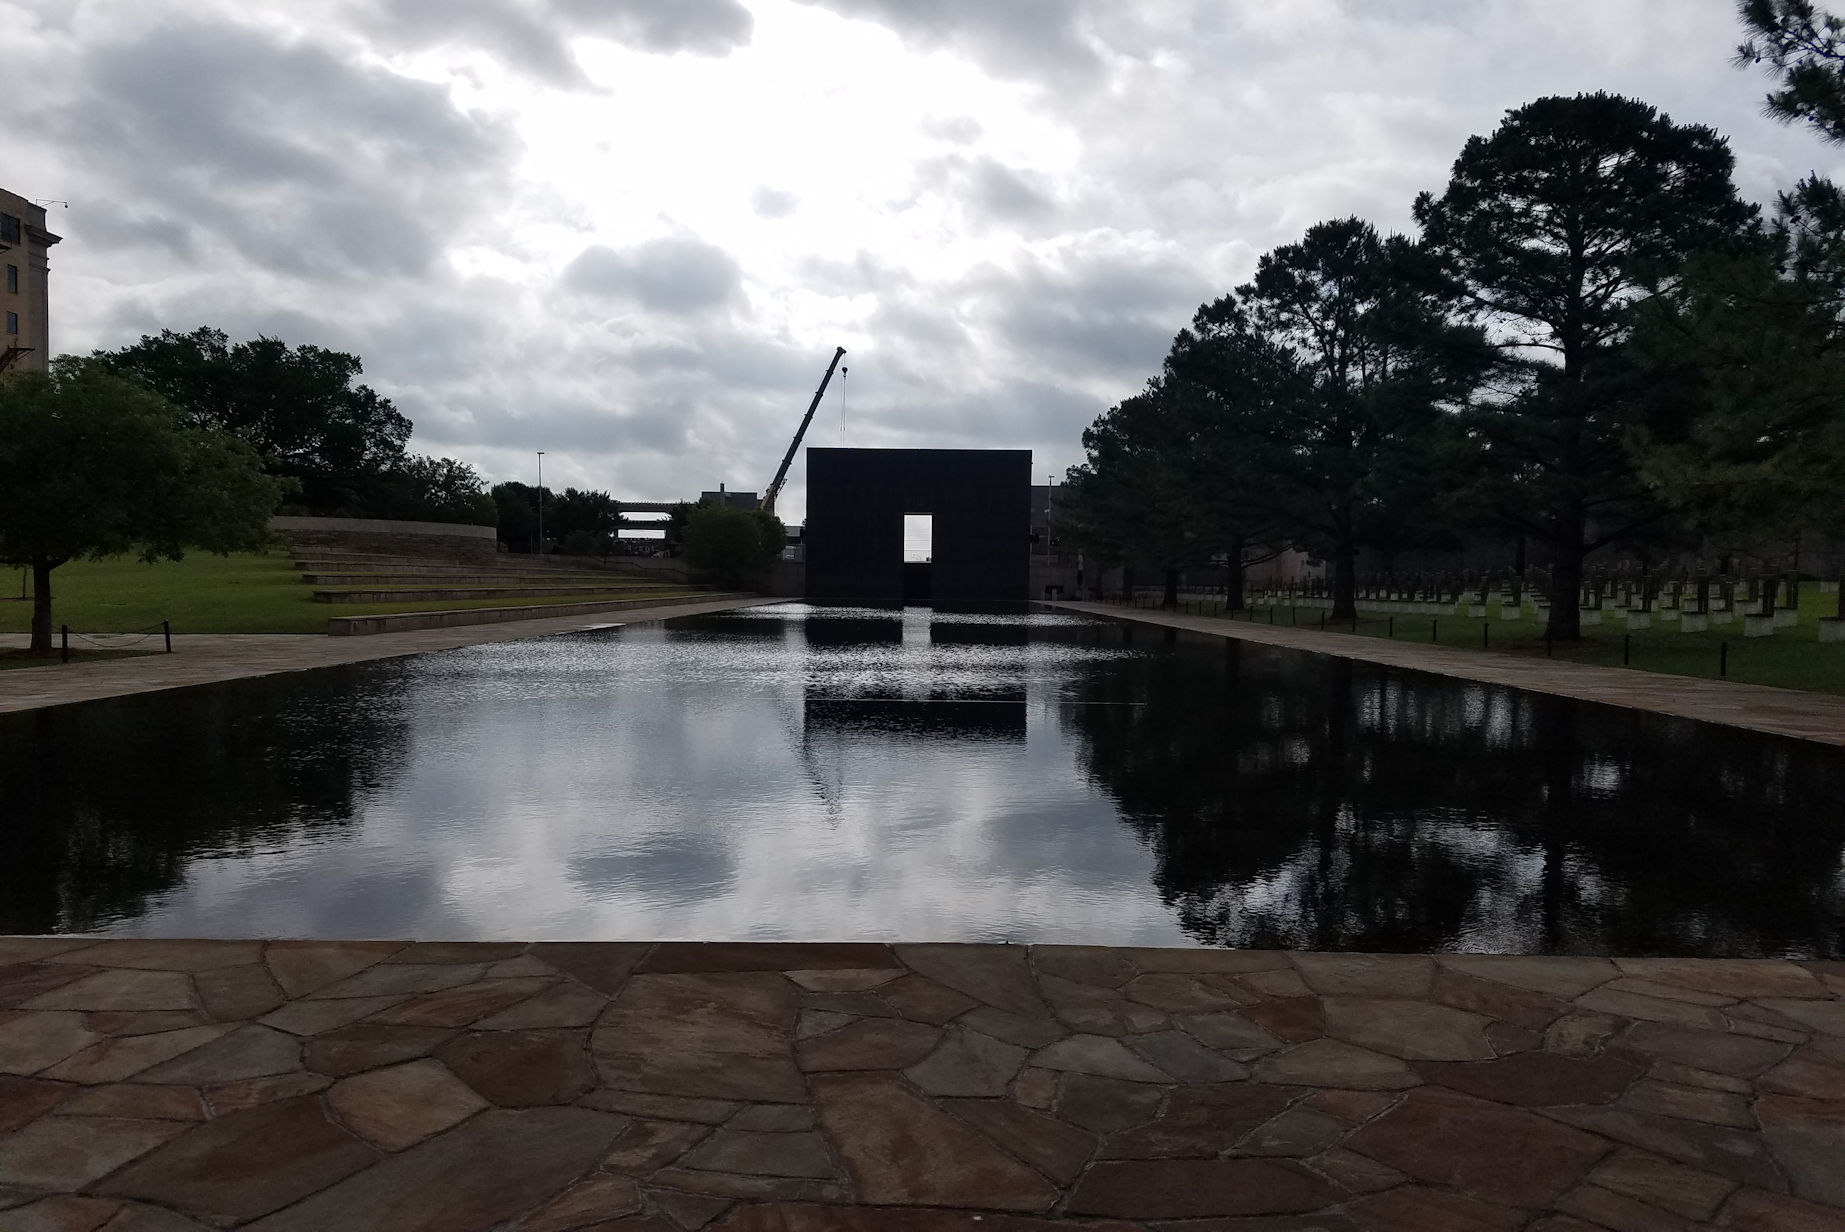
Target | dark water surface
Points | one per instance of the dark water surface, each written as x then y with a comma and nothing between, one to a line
787,772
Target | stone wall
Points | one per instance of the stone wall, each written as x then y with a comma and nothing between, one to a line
435,540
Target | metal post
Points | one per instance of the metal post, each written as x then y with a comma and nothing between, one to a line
166,630
541,502
1547,653
1322,622
1486,635
1723,658
1627,646
64,634
1391,627
1435,630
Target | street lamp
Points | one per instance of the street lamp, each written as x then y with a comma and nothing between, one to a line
541,502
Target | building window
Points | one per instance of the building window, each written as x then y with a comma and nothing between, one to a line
9,229
12,322
12,279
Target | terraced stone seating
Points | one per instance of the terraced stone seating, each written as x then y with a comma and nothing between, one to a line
298,1086
354,577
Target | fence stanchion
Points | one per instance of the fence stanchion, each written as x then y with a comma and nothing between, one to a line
1390,627
1322,622
1486,636
64,638
166,631
1723,658
1271,613
1435,629
1627,648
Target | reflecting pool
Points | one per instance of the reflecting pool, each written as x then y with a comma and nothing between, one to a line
797,772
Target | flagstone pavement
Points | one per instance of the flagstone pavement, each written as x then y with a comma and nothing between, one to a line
299,1086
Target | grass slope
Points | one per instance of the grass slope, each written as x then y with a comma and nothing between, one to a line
241,593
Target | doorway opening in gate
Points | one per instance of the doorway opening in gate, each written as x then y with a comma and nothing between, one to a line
918,556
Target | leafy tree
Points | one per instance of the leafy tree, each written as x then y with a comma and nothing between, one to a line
516,506
674,527
1572,211
733,546
1749,351
1805,46
1156,490
93,464
297,406
425,489
1332,367
584,522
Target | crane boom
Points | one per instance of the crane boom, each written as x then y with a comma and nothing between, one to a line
781,473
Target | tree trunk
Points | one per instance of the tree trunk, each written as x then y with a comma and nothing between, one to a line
1233,584
41,606
1565,623
1170,599
1345,581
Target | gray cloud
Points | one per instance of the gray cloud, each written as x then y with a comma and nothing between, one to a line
229,136
995,190
677,274
773,202
286,168
1039,39
702,27
534,36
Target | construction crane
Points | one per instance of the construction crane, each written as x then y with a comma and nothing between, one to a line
781,473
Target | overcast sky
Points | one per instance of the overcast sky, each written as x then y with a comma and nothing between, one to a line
631,232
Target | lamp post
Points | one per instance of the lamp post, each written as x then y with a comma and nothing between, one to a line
1050,484
541,502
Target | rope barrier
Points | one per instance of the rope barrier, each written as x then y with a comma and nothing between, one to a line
117,641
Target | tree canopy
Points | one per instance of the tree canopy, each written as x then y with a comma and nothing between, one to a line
93,464
1571,212
1331,369
299,407
1593,342
1805,47
733,546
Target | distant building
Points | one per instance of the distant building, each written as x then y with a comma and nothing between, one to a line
736,500
25,327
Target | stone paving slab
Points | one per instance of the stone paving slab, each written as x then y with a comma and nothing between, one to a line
1818,717
299,1086
205,658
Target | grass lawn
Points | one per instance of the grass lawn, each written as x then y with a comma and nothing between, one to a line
1792,659
241,593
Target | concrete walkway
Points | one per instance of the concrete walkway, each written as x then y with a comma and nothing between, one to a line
210,658
177,1086
1783,712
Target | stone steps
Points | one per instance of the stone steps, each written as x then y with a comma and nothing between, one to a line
463,577
398,622
425,594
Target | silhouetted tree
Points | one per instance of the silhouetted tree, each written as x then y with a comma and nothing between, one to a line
1332,368
1556,225
1805,46
298,407
425,489
1142,496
